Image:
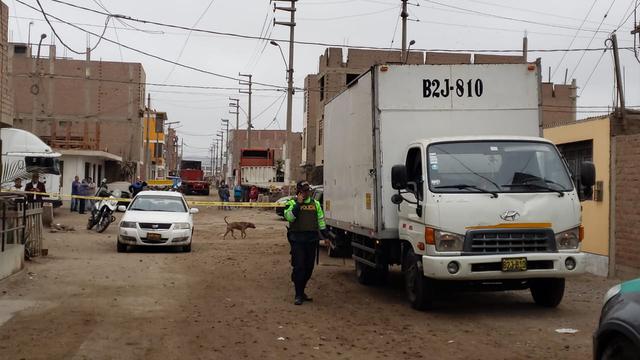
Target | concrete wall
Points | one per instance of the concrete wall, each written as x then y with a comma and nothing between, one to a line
11,260
595,214
6,88
75,165
79,91
558,104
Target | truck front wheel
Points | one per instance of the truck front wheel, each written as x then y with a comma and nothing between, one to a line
420,289
366,275
547,292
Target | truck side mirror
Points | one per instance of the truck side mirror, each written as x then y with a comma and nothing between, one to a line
399,177
587,179
397,199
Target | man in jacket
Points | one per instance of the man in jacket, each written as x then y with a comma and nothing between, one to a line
35,186
75,190
306,220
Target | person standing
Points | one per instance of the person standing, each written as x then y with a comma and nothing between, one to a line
254,194
84,191
75,191
17,185
35,186
306,221
137,186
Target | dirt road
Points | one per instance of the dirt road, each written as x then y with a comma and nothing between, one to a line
232,299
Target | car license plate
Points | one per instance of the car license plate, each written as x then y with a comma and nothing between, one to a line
153,236
514,264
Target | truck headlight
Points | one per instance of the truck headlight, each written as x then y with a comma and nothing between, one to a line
128,224
446,241
568,240
181,226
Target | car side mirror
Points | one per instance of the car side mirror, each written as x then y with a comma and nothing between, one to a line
399,177
122,208
194,211
587,174
397,199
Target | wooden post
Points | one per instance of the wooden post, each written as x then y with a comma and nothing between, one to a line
68,135
97,135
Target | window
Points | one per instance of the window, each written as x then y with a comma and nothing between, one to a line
350,78
157,150
87,170
322,88
414,172
320,130
99,178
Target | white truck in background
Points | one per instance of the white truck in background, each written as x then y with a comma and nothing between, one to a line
23,154
440,169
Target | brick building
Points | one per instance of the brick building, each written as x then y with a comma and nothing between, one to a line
92,108
6,90
334,73
272,139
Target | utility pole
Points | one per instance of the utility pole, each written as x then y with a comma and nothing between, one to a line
292,25
616,58
221,152
249,92
147,168
404,15
235,104
213,151
226,153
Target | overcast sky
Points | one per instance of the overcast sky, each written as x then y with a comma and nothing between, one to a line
443,24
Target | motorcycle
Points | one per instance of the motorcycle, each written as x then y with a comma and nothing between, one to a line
103,210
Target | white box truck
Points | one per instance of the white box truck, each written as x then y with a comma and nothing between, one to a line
441,169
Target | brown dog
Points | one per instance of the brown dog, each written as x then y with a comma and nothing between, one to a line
240,225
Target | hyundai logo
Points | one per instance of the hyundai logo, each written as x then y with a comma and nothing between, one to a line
510,215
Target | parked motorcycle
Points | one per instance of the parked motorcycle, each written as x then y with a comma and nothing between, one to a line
103,210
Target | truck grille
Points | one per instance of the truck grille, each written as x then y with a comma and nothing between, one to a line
154,226
509,241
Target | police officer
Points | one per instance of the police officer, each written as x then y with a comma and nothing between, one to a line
306,220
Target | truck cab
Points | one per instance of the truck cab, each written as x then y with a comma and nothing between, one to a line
498,212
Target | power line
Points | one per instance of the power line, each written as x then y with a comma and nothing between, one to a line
186,41
592,72
99,3
591,41
476,12
624,21
144,52
312,43
564,55
348,16
100,37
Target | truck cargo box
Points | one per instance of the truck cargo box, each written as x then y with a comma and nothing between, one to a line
369,126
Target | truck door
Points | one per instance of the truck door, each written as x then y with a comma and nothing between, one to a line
410,216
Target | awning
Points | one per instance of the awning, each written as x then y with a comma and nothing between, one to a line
91,153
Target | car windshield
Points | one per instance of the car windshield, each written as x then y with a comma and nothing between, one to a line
489,166
158,203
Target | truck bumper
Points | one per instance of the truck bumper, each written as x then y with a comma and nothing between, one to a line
489,267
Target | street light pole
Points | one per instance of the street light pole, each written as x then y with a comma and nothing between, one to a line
226,153
249,92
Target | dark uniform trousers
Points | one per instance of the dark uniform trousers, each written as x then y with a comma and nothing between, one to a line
303,254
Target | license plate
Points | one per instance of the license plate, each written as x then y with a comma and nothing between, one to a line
514,264
154,236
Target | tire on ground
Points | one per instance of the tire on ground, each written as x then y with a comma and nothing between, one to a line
420,290
547,292
121,247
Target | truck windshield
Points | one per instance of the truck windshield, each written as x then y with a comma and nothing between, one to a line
496,167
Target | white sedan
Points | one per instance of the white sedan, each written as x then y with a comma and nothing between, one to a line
157,218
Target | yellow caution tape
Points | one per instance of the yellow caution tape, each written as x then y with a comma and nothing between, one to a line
190,202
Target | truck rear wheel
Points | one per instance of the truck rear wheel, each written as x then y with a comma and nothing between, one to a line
420,289
547,292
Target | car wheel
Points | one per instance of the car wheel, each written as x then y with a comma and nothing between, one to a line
547,292
121,247
420,290
619,348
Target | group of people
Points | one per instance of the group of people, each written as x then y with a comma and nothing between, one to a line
35,188
86,187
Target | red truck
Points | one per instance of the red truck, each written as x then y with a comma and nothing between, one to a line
192,178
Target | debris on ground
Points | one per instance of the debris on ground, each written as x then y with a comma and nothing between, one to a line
566,331
61,227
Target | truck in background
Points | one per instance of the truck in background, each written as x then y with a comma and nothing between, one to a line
259,168
440,169
192,178
23,154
